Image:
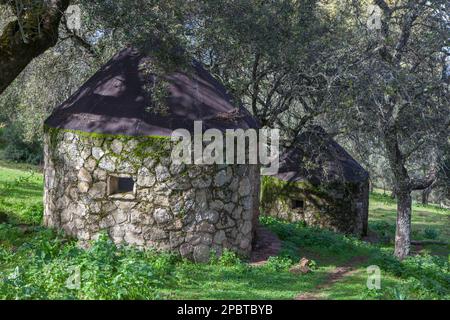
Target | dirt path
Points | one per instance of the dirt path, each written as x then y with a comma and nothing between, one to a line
334,276
266,245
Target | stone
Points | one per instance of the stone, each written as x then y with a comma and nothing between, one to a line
155,234
145,178
245,187
209,215
237,213
69,136
98,190
83,187
100,175
84,175
119,216
162,173
206,227
220,237
106,222
176,169
107,164
162,201
247,203
216,205
201,199
221,178
116,146
161,216
149,163
90,164
229,207
201,253
247,214
176,239
97,153
125,167
186,249
202,182
246,228
245,244
302,267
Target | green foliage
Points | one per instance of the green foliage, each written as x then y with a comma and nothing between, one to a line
431,233
37,263
15,146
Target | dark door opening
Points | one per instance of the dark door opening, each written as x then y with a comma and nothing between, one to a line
298,204
118,185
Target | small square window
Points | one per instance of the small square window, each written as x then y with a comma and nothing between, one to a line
298,204
121,187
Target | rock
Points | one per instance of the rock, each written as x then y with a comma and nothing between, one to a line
209,215
98,190
202,182
107,164
100,174
83,187
155,234
221,178
116,146
302,267
206,227
161,216
90,164
176,169
246,228
84,175
145,178
162,173
176,239
201,253
216,205
247,203
97,153
119,216
186,249
245,187
220,237
125,167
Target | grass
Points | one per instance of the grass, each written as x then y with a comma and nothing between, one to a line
36,263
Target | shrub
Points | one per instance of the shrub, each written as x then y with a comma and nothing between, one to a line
431,233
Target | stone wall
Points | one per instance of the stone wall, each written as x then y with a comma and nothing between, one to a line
341,207
189,209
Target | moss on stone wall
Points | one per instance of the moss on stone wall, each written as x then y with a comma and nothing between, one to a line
147,146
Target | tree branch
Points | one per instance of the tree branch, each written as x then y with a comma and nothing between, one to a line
41,33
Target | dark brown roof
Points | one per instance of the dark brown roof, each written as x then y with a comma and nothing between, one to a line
114,101
317,158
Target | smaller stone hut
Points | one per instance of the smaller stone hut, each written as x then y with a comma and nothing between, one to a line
318,183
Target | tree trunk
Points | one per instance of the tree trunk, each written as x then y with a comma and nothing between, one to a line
403,231
425,196
24,39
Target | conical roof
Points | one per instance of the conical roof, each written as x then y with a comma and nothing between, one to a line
315,157
116,100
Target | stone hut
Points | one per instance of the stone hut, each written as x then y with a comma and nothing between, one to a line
320,184
108,164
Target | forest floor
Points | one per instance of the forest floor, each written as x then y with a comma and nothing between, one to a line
36,263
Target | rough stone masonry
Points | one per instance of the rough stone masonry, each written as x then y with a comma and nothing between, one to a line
189,209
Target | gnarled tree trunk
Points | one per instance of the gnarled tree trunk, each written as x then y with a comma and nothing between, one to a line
403,230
